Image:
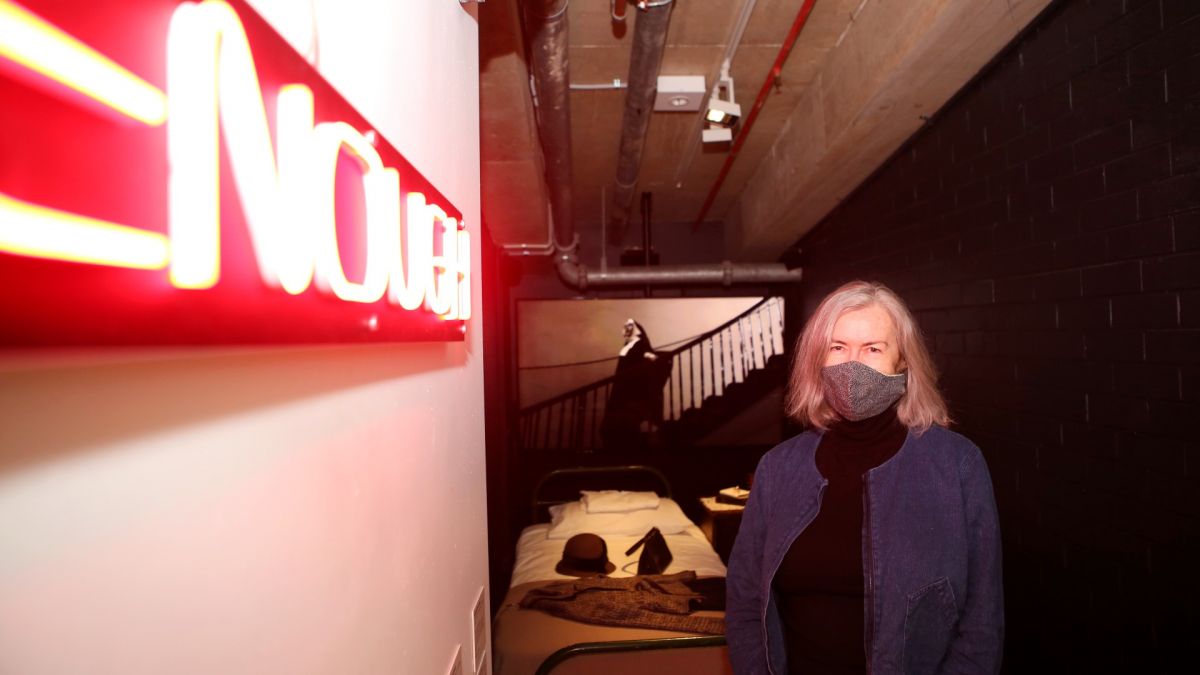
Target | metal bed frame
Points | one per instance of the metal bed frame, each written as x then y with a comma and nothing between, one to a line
586,648
585,477
592,477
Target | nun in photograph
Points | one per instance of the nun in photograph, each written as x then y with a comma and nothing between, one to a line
636,396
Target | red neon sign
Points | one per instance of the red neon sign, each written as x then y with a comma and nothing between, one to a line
204,186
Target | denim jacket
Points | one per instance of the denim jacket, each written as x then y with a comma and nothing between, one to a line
931,557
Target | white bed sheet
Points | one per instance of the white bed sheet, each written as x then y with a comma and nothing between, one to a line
537,555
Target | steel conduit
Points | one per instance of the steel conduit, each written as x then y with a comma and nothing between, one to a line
649,39
547,28
546,25
724,274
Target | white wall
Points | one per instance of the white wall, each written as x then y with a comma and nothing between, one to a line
274,510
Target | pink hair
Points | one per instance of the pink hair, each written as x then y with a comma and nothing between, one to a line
922,404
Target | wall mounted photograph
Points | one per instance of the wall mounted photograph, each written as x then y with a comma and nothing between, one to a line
630,374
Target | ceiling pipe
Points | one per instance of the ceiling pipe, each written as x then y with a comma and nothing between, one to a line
772,78
649,39
725,274
541,248
615,84
546,24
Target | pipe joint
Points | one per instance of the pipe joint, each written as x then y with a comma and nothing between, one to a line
572,273
546,17
570,250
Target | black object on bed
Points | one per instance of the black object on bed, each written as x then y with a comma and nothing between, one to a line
656,555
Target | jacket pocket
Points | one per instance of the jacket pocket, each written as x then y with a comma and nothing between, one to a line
929,626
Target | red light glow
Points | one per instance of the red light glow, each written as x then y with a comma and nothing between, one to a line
39,46
39,232
286,226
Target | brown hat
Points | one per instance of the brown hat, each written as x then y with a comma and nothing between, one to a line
585,555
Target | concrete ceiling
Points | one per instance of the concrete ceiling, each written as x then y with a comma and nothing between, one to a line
859,81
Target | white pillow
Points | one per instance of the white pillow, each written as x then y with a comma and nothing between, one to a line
570,519
617,501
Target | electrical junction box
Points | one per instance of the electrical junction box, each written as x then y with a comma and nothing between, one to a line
680,93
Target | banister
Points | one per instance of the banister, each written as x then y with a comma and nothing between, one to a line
574,418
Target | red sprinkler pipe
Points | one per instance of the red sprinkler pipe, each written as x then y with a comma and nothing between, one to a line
616,9
772,76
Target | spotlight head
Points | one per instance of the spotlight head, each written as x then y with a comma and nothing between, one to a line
723,113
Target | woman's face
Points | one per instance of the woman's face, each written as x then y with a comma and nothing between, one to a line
868,336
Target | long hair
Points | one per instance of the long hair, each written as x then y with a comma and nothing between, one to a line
922,404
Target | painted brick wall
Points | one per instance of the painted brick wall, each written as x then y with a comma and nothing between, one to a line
1045,228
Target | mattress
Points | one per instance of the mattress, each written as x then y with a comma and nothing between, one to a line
522,638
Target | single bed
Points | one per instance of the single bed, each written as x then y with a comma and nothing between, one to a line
532,642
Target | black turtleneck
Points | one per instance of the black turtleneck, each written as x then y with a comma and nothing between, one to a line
820,582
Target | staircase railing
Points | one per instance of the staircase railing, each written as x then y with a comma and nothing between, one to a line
702,368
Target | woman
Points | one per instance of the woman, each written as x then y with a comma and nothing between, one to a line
870,542
636,395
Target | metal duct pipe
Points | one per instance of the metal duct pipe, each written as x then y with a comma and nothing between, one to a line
649,38
725,274
547,28
546,24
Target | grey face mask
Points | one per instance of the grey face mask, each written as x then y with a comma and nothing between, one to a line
858,391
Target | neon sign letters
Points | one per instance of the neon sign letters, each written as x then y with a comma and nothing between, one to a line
413,250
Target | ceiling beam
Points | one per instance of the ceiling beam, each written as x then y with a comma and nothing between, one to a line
897,64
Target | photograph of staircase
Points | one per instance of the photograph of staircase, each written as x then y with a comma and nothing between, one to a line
713,378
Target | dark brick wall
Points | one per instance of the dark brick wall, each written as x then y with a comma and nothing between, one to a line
1045,228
